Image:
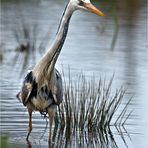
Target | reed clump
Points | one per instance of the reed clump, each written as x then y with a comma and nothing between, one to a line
90,106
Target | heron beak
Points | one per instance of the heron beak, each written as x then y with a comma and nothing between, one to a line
93,9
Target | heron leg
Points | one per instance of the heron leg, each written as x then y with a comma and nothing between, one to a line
30,123
51,112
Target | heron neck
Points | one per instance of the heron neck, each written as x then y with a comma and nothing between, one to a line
54,51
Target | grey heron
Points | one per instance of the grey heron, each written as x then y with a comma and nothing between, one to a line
42,87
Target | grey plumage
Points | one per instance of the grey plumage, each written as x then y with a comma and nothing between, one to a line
31,92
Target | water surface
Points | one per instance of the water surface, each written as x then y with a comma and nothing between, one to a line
87,48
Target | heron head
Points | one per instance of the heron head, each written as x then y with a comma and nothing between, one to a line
86,5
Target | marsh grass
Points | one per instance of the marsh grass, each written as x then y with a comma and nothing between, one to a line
90,106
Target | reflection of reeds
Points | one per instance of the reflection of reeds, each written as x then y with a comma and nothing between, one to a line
1,56
1,52
26,36
116,28
112,8
101,139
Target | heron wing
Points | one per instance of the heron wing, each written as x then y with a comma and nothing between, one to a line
29,88
59,93
25,93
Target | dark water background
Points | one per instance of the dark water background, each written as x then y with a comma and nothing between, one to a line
87,48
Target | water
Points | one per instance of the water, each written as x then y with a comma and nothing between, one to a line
87,48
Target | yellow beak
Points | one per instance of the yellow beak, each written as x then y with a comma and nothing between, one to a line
93,9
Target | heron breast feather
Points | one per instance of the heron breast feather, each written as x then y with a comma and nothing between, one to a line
41,104
43,99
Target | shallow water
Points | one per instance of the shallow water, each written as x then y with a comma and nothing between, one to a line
87,48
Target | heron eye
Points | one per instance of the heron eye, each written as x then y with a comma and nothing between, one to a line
81,3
